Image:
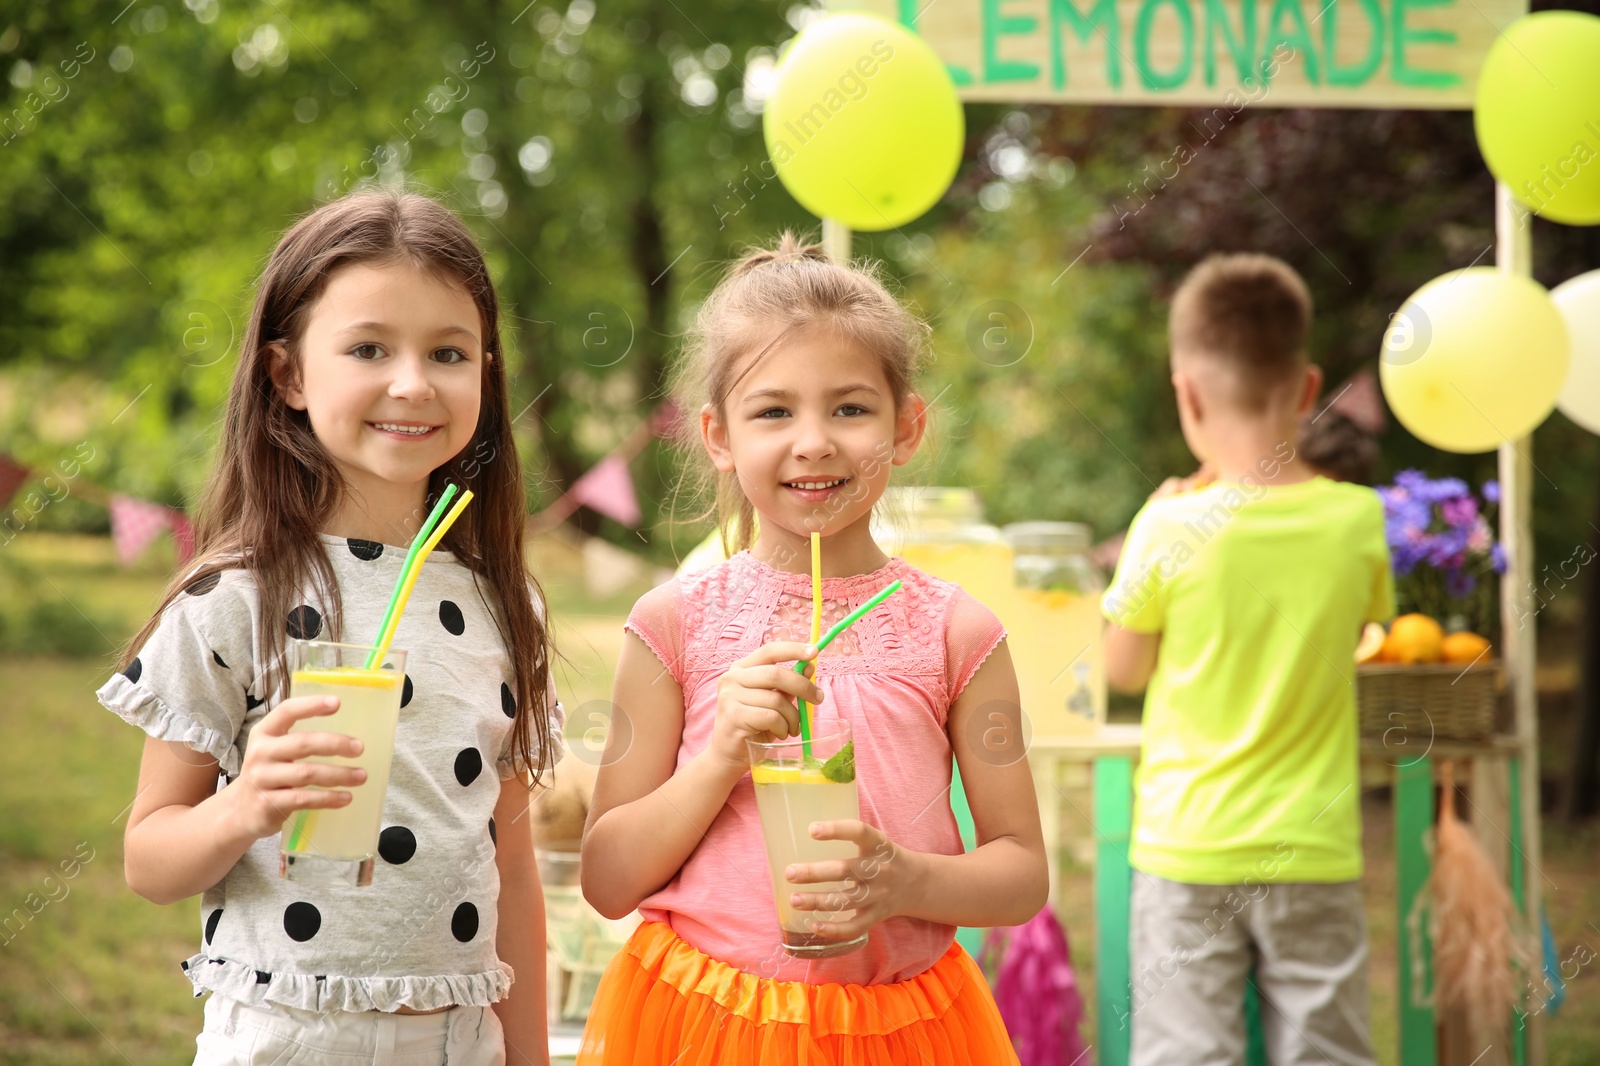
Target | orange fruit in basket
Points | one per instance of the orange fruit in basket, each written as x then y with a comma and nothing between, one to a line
1371,645
1464,647
1414,638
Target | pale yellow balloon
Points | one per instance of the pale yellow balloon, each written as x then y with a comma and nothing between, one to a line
1578,300
1473,359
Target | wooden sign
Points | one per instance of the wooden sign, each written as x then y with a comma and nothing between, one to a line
1272,53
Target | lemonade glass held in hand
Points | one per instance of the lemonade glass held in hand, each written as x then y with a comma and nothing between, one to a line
337,845
793,790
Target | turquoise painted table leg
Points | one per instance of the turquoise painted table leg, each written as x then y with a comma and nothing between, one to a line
1519,888
971,939
1113,888
1255,1048
1413,817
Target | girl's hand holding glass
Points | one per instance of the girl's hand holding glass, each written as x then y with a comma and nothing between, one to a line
755,701
274,778
878,884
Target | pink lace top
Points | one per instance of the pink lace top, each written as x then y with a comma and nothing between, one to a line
894,675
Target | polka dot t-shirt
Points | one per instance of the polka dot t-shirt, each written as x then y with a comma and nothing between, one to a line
422,934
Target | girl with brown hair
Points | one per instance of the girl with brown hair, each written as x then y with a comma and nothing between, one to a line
371,376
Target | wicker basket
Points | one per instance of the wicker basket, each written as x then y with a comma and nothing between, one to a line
1428,699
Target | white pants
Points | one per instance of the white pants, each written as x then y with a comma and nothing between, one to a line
244,1034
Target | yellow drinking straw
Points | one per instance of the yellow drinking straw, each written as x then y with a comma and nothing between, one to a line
816,631
816,586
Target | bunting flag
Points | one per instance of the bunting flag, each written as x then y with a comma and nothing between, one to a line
1361,401
667,418
183,536
13,475
608,488
135,523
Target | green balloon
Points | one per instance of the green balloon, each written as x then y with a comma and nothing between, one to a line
863,123
1537,114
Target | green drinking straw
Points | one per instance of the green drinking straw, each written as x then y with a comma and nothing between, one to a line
399,582
302,820
827,638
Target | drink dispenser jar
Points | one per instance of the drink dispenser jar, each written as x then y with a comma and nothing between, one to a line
941,531
1056,633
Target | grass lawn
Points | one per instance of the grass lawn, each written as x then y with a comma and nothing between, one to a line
89,971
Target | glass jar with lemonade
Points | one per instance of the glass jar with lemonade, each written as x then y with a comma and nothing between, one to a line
1056,633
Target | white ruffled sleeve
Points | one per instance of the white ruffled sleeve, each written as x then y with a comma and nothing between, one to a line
194,680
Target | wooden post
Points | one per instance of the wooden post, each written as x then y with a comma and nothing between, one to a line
1514,255
1494,822
836,240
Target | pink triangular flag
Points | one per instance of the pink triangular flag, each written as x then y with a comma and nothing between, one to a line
182,535
608,488
134,524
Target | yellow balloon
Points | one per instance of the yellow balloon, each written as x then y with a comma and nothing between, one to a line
1473,359
863,123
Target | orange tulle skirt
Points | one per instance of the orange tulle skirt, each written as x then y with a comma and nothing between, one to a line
662,1002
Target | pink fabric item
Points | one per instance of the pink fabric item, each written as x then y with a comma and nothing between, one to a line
893,675
1037,992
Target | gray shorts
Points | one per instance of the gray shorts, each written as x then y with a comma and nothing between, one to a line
1193,947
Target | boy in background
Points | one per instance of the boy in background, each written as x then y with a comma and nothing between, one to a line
1236,606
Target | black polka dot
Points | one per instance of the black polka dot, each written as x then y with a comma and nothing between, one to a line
204,585
301,921
304,622
211,924
364,549
464,922
493,837
184,965
397,844
508,701
262,977
133,671
405,693
469,764
218,659
450,618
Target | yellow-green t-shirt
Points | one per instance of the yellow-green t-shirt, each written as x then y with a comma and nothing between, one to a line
1250,752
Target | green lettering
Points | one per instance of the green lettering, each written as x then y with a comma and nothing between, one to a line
1402,72
1149,77
909,9
997,24
1102,17
1241,48
1358,74
1298,38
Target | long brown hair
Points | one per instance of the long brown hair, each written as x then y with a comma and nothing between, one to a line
766,295
275,486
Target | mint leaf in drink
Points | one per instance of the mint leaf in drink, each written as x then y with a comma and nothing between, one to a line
842,767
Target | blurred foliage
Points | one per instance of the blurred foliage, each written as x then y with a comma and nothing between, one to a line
609,158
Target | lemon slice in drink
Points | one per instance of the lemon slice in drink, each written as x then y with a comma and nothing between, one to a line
776,774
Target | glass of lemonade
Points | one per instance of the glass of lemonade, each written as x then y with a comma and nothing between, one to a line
792,791
337,845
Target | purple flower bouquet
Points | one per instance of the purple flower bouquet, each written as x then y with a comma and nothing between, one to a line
1443,548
